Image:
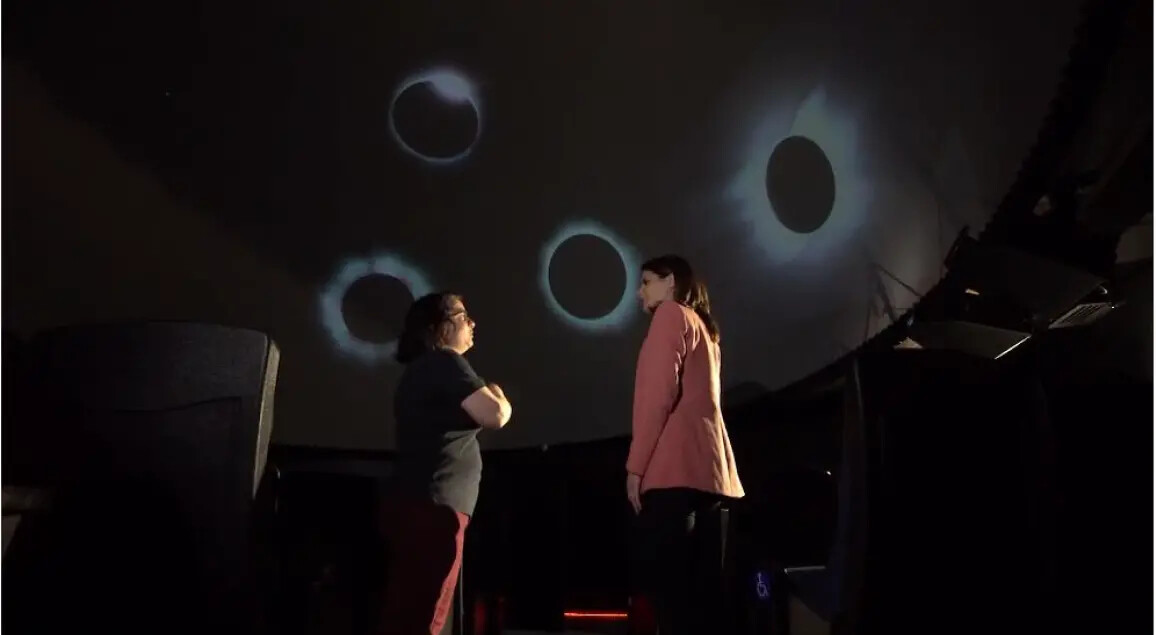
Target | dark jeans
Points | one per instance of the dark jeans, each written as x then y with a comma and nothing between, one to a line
678,559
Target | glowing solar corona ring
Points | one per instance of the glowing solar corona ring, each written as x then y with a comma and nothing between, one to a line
837,136
334,293
450,85
624,311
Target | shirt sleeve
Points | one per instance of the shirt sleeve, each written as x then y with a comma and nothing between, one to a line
656,382
458,379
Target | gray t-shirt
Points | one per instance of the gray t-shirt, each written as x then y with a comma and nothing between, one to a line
437,441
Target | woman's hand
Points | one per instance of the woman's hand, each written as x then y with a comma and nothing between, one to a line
633,484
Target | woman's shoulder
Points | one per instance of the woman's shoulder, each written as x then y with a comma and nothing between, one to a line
669,310
672,316
435,360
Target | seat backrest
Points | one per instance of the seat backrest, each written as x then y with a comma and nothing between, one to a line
152,437
936,506
143,375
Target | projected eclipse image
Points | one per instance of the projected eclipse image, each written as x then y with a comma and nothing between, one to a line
800,184
363,306
802,191
588,277
580,259
370,307
813,161
436,117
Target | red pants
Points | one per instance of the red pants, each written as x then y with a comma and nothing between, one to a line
424,543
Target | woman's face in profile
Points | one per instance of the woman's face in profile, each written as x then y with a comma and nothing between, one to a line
655,290
461,329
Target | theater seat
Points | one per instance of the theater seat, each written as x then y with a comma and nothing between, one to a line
151,438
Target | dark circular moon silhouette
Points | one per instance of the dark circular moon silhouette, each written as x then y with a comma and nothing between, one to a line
374,307
435,117
800,184
587,276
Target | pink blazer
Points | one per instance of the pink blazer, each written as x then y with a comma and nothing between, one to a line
680,439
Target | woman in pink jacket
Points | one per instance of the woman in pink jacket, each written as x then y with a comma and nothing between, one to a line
681,467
